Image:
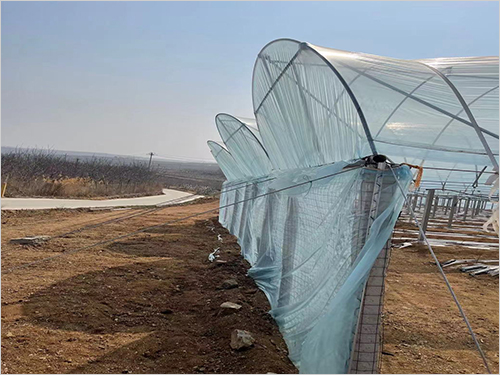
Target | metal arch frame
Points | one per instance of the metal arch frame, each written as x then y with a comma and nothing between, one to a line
449,122
328,109
417,99
467,110
401,103
226,152
219,122
257,61
361,115
304,46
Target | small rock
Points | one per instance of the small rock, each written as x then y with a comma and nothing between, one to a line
230,307
30,240
241,339
177,289
229,284
9,334
220,262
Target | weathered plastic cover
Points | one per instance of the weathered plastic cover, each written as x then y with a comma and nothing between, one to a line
441,113
301,215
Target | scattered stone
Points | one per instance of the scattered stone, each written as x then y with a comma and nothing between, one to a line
30,240
177,289
220,262
388,353
167,311
241,339
229,284
229,308
9,334
251,291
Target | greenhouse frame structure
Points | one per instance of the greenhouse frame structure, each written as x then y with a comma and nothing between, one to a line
316,182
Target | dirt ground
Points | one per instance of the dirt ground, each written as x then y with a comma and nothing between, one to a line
145,304
150,303
423,329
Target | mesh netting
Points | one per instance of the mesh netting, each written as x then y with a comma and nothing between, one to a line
310,251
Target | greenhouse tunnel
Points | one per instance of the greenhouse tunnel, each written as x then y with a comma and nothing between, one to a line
312,208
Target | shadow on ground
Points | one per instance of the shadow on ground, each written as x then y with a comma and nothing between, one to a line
174,300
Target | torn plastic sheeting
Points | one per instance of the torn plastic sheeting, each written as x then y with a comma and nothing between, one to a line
300,243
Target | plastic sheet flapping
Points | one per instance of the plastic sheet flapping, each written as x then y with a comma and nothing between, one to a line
310,252
243,142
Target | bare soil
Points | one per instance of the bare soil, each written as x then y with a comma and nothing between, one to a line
150,303
423,329
145,304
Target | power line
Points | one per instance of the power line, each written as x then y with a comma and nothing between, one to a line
462,312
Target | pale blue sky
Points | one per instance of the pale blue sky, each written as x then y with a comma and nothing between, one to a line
133,77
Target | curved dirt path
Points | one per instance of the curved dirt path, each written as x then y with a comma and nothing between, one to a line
169,196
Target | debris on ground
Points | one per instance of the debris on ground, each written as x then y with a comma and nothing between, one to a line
30,240
229,284
230,307
213,255
241,339
405,244
474,266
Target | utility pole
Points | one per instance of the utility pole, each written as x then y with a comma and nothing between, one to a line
150,160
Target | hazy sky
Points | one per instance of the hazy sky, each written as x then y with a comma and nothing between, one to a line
133,77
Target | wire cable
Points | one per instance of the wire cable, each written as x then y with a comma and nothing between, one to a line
174,221
438,264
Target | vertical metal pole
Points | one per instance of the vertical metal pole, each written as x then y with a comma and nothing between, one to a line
478,204
427,212
408,202
466,208
453,207
446,205
436,203
365,353
413,207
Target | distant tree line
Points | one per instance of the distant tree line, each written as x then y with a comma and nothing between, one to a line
34,172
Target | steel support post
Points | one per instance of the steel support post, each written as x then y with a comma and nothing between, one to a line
366,349
436,204
453,207
466,208
478,204
427,212
413,207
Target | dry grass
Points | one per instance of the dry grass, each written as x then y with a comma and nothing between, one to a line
42,173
